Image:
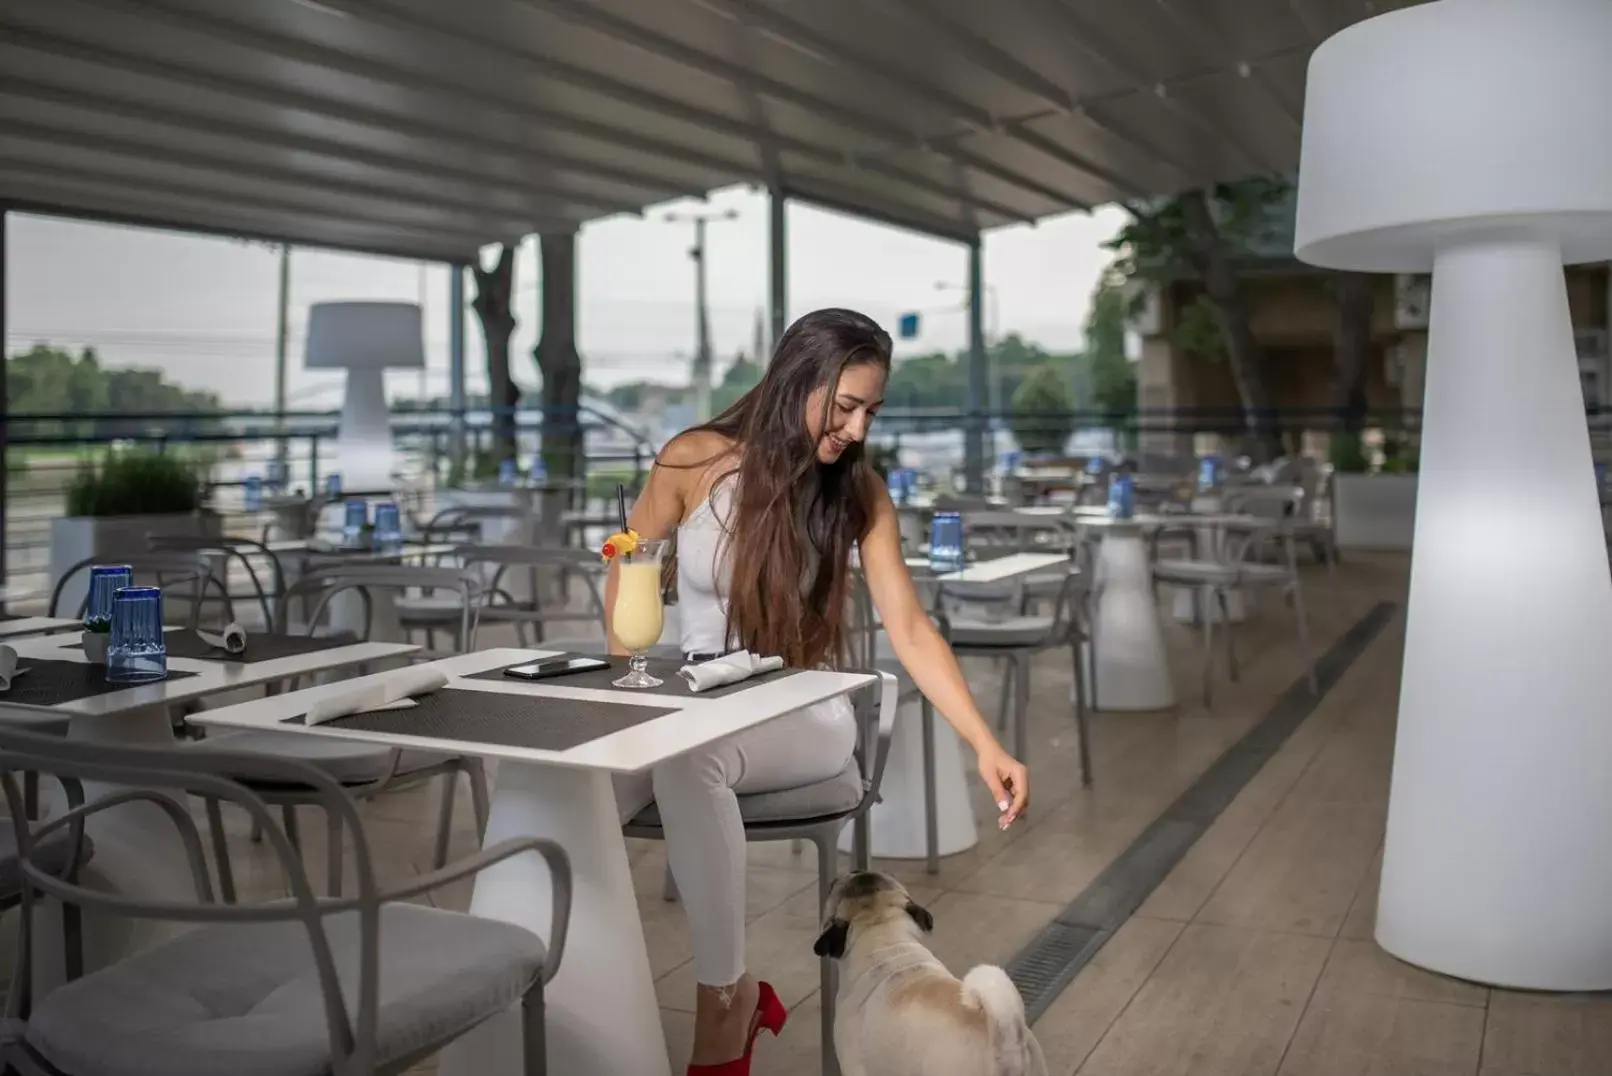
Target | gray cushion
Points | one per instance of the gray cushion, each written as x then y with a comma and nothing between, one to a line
348,761
50,854
1008,631
837,795
245,999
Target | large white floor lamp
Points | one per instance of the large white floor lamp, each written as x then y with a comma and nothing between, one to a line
366,339
1473,139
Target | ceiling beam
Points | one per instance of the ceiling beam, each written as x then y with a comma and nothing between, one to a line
362,189
413,80
1193,28
1015,72
629,32
1079,32
783,27
381,162
284,97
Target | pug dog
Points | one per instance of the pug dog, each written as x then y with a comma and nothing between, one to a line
899,1012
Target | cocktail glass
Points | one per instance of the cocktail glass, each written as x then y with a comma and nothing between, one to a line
638,617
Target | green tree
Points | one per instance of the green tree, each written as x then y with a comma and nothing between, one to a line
47,380
1202,235
1113,375
740,378
1041,417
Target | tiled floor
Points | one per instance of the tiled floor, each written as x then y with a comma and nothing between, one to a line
1253,957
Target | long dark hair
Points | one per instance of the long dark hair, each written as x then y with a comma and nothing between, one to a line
794,519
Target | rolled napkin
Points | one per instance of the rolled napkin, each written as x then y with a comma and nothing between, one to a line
8,667
727,669
382,693
232,640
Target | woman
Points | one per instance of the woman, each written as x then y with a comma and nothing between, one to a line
766,502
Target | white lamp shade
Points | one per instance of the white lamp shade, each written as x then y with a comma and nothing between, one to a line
1437,120
364,336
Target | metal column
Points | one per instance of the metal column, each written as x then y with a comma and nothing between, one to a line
978,375
777,264
5,404
456,368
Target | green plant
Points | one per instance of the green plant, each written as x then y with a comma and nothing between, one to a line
1347,453
136,483
1042,418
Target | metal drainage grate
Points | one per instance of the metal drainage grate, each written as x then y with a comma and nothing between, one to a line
1055,956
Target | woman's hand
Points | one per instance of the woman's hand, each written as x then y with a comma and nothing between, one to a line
1009,783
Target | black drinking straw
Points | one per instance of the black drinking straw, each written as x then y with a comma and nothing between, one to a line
621,504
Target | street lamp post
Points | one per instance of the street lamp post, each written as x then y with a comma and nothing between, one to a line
702,322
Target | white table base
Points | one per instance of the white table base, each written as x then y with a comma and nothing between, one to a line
1132,668
602,1014
898,821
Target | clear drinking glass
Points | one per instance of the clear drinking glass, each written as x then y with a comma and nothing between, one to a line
105,579
333,486
252,492
637,619
136,651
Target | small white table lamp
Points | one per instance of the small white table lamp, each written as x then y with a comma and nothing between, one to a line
1473,138
366,339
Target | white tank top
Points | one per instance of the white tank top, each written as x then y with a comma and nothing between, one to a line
703,571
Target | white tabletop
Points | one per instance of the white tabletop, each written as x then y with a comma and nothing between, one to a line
38,625
302,545
212,677
693,723
989,571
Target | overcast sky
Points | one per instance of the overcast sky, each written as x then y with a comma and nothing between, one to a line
203,309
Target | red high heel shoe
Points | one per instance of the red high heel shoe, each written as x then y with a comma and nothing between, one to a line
770,1014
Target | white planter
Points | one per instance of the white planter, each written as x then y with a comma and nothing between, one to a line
1374,511
76,538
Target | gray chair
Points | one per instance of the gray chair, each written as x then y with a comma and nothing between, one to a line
233,551
453,594
364,770
1219,572
368,985
546,569
818,813
186,579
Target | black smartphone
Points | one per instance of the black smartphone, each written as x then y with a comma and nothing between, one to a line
552,667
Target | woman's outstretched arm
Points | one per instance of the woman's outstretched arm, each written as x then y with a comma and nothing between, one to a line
924,653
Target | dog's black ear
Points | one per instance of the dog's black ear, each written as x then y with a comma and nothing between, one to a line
832,941
921,916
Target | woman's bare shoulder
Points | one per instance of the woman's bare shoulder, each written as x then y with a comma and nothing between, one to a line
695,450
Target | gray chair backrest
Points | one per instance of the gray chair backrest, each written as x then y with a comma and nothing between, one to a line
187,577
322,584
163,777
240,550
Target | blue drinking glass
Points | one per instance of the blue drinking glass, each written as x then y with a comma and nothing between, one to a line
136,651
279,474
333,486
946,542
895,481
252,489
388,528
506,473
105,579
540,470
1208,473
352,527
1121,497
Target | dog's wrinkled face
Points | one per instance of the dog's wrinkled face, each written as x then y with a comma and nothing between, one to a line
860,900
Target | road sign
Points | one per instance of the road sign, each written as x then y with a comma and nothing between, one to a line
907,327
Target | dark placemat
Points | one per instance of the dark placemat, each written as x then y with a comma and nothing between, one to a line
51,683
529,721
603,679
261,647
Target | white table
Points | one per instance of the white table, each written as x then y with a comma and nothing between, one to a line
136,851
1127,665
602,1015
899,819
39,625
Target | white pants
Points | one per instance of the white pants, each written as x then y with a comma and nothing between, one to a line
697,794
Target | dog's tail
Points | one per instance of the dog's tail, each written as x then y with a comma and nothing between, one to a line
1017,1053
